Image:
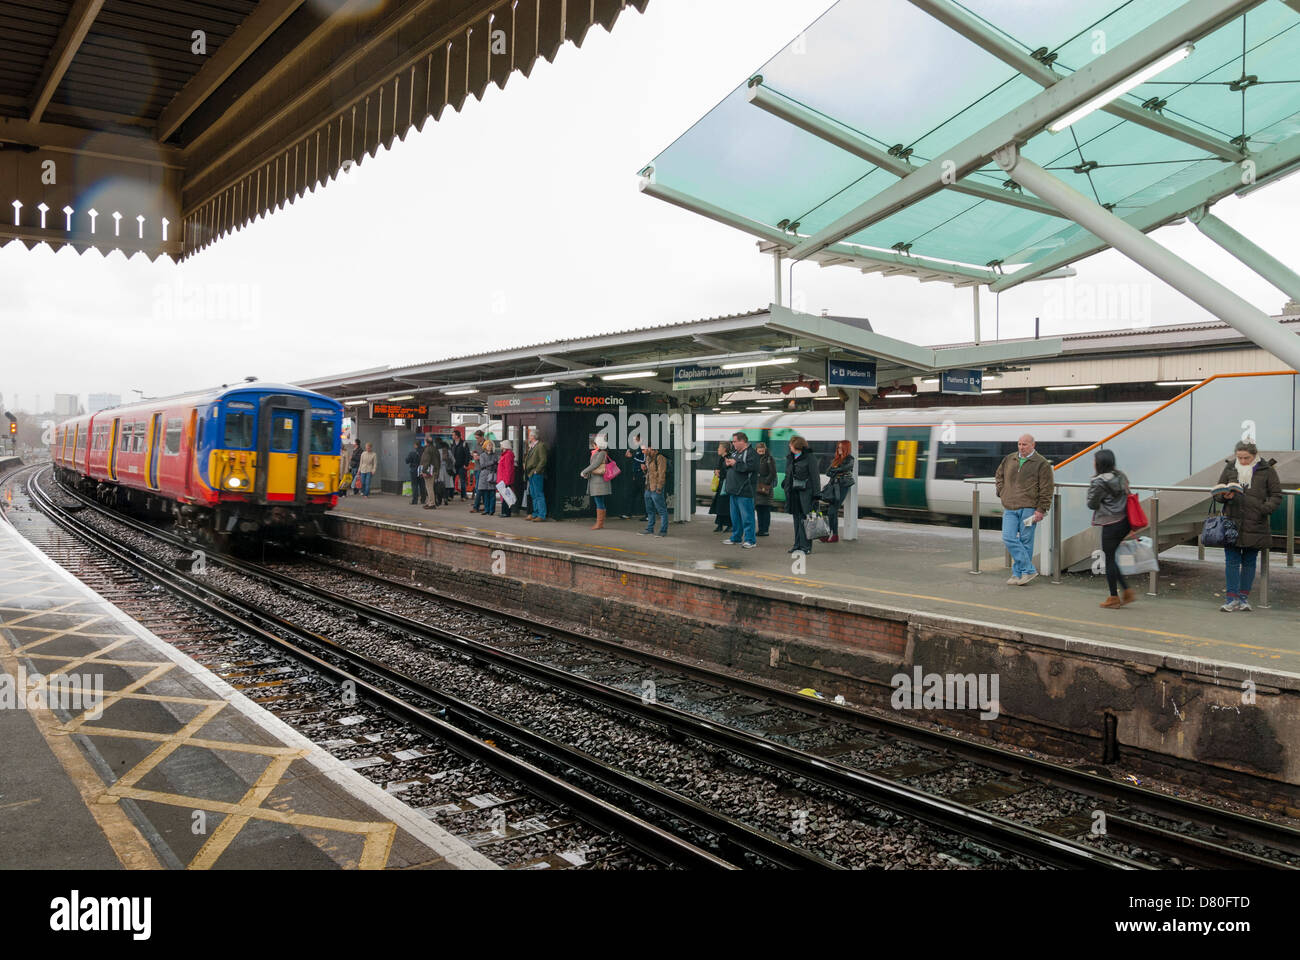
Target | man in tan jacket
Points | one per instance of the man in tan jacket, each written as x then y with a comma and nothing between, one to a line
655,468
1024,484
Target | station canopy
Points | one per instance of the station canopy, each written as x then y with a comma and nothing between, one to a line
159,126
776,344
868,141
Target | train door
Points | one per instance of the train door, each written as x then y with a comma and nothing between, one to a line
155,436
282,459
112,447
907,452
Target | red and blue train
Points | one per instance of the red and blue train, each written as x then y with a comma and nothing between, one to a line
253,459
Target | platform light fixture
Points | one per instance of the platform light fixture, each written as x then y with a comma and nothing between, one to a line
355,403
930,380
985,393
409,396
1177,383
535,385
634,375
1081,386
771,361
1123,87
460,393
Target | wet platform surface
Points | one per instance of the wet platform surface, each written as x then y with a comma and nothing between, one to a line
925,568
144,759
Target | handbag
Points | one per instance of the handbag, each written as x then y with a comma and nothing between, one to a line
764,489
1218,530
1137,517
611,469
1137,556
815,526
714,484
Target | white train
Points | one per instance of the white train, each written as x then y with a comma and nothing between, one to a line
913,462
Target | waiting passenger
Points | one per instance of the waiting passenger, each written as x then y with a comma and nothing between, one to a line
1108,500
802,483
1250,491
413,469
742,471
721,507
485,484
366,466
655,466
460,461
535,471
764,487
506,474
429,460
1024,483
440,469
839,478
598,488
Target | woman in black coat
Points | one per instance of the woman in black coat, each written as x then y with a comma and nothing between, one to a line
802,483
1251,492
721,507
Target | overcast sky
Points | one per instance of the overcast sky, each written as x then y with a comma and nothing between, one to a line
514,222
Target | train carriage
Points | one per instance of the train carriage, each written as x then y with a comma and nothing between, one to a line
250,459
914,463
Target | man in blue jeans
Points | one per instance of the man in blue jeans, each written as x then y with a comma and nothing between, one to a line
535,471
1024,483
741,484
655,467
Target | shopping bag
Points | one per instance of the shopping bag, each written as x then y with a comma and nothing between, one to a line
356,482
406,488
1218,530
1137,517
611,469
815,526
1136,556
714,483
507,494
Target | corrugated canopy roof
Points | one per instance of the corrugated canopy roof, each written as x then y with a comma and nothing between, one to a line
161,125
811,151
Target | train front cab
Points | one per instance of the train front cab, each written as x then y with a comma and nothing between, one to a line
271,460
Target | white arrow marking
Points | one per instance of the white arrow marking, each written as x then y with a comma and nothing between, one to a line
18,205
44,208
67,218
165,221
92,213
117,224
140,220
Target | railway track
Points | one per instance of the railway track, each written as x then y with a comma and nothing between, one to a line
1167,844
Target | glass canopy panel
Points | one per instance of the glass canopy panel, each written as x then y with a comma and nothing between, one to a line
893,75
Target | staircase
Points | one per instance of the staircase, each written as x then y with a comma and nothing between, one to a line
1185,443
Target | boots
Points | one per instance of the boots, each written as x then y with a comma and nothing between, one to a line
1111,602
1128,596
600,521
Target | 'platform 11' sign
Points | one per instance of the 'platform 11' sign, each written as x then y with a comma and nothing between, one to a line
857,374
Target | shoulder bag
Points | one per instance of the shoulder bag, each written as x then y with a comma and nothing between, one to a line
1218,530
611,469
1137,517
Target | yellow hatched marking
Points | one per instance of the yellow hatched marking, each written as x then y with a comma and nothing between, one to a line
225,833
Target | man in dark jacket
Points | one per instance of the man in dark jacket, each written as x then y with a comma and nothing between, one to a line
1250,491
413,469
429,474
460,460
635,470
742,479
535,475
1024,483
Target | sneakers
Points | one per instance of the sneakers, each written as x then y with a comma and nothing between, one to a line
729,542
1028,577
1013,581
644,533
749,546
1243,605
661,534
1232,606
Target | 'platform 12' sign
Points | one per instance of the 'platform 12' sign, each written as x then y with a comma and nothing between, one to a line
962,381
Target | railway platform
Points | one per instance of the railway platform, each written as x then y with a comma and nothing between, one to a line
117,751
1213,696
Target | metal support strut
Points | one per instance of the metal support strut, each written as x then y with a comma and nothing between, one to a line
1137,246
1252,255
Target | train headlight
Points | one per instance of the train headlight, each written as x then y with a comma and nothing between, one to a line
234,482
313,485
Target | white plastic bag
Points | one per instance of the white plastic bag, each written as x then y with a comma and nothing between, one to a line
1136,556
507,494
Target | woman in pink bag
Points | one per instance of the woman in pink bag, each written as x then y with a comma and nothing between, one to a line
598,488
506,474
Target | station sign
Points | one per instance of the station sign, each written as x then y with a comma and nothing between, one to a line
694,377
465,408
387,410
962,381
855,374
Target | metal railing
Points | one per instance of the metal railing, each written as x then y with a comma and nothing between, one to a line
1153,530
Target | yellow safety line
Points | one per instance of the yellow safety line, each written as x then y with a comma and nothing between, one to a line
225,834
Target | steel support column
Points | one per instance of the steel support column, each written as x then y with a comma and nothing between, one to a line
1137,246
1251,254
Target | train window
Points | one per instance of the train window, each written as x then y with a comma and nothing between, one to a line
141,436
282,434
971,458
127,430
174,436
322,435
868,457
1056,452
239,430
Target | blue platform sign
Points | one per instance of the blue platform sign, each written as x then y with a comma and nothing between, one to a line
962,381
858,374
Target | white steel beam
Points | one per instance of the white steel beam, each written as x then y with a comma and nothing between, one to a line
1210,189
1252,255
961,21
66,45
800,116
1140,248
1193,20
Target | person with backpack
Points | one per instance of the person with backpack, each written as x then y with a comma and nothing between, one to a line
1108,500
1250,491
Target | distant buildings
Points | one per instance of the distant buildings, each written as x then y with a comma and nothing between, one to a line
66,404
100,401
